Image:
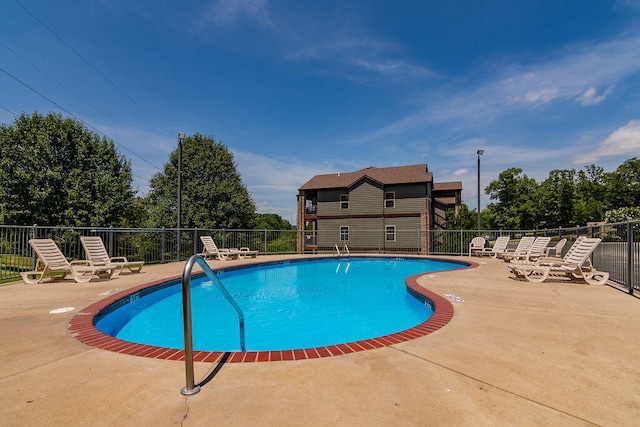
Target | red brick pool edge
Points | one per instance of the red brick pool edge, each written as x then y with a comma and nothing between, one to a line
82,328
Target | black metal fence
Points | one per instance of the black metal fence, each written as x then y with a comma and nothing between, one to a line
618,254
153,246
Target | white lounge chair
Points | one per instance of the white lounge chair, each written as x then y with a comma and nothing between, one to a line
52,263
536,250
499,246
523,247
477,245
557,249
576,266
97,255
551,260
210,249
245,252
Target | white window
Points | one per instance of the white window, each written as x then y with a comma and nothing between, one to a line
390,199
344,233
390,233
344,201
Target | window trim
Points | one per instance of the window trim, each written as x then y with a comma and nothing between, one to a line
344,231
391,199
390,229
344,201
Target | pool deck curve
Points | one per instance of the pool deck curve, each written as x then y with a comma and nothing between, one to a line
514,353
82,328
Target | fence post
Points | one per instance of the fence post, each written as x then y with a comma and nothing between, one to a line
33,253
630,256
195,240
164,232
110,241
178,241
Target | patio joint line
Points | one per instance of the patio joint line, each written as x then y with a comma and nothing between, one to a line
497,387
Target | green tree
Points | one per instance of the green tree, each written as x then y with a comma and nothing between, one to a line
271,222
631,213
515,209
566,198
589,195
464,220
274,242
213,195
53,171
139,214
555,199
623,185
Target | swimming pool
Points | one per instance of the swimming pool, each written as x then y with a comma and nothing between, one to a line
373,291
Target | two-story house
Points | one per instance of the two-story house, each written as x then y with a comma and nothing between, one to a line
374,209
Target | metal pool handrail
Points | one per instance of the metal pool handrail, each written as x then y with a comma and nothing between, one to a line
190,387
346,250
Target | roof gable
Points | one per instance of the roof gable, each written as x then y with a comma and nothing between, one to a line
385,176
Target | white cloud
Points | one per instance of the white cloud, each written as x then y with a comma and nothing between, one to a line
393,68
352,57
460,172
591,97
576,70
230,12
630,3
574,74
338,48
541,96
274,182
622,141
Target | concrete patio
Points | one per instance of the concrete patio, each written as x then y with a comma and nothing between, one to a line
515,353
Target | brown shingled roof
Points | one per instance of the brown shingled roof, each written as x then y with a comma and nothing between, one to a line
448,201
447,186
386,176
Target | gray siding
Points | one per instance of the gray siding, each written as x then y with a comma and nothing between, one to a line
329,202
329,231
370,232
366,199
407,232
365,232
362,232
409,199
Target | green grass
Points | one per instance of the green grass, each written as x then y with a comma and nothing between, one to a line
15,261
12,265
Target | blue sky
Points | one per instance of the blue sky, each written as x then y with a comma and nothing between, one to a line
298,88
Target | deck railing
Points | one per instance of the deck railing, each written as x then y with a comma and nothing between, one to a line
619,252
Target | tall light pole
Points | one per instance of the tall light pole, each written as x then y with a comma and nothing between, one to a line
180,139
480,153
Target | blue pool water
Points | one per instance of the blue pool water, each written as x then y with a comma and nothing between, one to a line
296,304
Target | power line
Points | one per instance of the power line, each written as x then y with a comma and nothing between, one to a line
16,115
92,66
76,117
56,81
9,111
72,92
